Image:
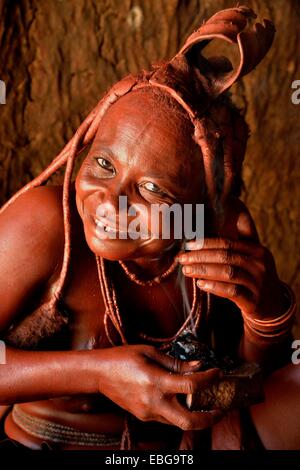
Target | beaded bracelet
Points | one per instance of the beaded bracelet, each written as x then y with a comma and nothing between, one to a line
276,328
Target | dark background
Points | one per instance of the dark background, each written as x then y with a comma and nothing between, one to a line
58,57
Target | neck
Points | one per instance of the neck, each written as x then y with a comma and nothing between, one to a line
151,267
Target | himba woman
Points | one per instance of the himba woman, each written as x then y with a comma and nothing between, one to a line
87,318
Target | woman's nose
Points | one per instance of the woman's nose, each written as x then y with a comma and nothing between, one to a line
112,204
108,203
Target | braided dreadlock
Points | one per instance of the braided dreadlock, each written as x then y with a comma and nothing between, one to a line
198,85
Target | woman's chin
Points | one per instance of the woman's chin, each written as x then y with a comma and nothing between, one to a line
122,250
113,250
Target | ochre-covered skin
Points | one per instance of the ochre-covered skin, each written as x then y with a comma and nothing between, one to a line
49,274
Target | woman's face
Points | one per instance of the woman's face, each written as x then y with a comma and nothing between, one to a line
139,158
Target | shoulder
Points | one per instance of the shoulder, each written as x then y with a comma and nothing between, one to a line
38,207
32,226
31,247
42,198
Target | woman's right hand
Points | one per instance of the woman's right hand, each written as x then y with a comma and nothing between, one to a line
145,381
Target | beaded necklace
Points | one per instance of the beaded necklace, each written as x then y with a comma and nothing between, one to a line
112,314
157,280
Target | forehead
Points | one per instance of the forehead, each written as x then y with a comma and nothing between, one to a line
140,126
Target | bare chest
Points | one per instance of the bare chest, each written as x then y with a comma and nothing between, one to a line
156,311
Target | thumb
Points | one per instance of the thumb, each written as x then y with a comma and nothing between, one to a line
174,364
246,227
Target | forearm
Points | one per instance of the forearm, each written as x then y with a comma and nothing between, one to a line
37,375
268,341
270,356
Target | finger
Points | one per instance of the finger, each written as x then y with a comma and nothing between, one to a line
178,415
221,272
238,294
222,257
174,364
240,246
188,383
189,366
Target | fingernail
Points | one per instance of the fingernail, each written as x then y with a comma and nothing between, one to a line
181,258
187,270
195,245
189,245
201,283
195,363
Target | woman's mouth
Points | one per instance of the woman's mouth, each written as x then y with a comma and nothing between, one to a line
108,229
104,230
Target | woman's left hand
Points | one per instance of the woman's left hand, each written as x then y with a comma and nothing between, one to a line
240,270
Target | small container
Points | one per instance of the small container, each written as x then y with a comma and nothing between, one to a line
240,386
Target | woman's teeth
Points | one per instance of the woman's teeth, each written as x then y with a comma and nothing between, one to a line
106,228
122,233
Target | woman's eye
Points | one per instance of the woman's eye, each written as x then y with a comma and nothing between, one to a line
152,187
105,164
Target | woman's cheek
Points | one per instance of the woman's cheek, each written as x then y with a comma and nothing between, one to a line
79,204
138,221
157,222
151,219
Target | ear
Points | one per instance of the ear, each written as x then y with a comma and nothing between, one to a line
231,26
